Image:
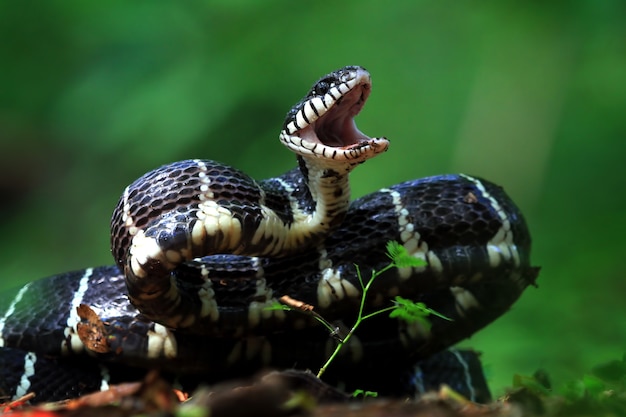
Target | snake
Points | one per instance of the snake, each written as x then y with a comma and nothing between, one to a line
203,251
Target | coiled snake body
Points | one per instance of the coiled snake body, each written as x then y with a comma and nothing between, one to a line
202,250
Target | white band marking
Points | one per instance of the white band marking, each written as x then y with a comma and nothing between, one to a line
71,336
11,309
468,375
411,239
29,370
500,247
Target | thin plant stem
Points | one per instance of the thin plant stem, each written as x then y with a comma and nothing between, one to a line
360,316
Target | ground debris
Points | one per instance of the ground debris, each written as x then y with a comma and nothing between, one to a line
278,394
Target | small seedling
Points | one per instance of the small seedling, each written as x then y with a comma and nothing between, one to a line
401,308
365,394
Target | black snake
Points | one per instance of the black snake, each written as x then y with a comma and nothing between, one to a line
202,250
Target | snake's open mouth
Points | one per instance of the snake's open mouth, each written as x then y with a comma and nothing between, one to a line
322,123
335,126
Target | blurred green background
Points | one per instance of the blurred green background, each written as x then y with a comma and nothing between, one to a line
531,95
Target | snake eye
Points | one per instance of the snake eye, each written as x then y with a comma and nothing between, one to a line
322,87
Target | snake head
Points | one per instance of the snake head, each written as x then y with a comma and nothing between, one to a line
321,125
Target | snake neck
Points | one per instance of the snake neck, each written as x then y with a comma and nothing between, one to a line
302,219
328,196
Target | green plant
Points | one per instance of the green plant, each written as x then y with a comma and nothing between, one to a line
401,308
602,392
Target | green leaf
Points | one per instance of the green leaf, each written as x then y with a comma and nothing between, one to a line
365,394
278,306
531,384
412,312
593,385
613,371
409,310
573,390
400,258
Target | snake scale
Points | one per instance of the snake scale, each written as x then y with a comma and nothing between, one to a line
202,250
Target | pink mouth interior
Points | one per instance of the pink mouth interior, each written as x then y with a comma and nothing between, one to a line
337,127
